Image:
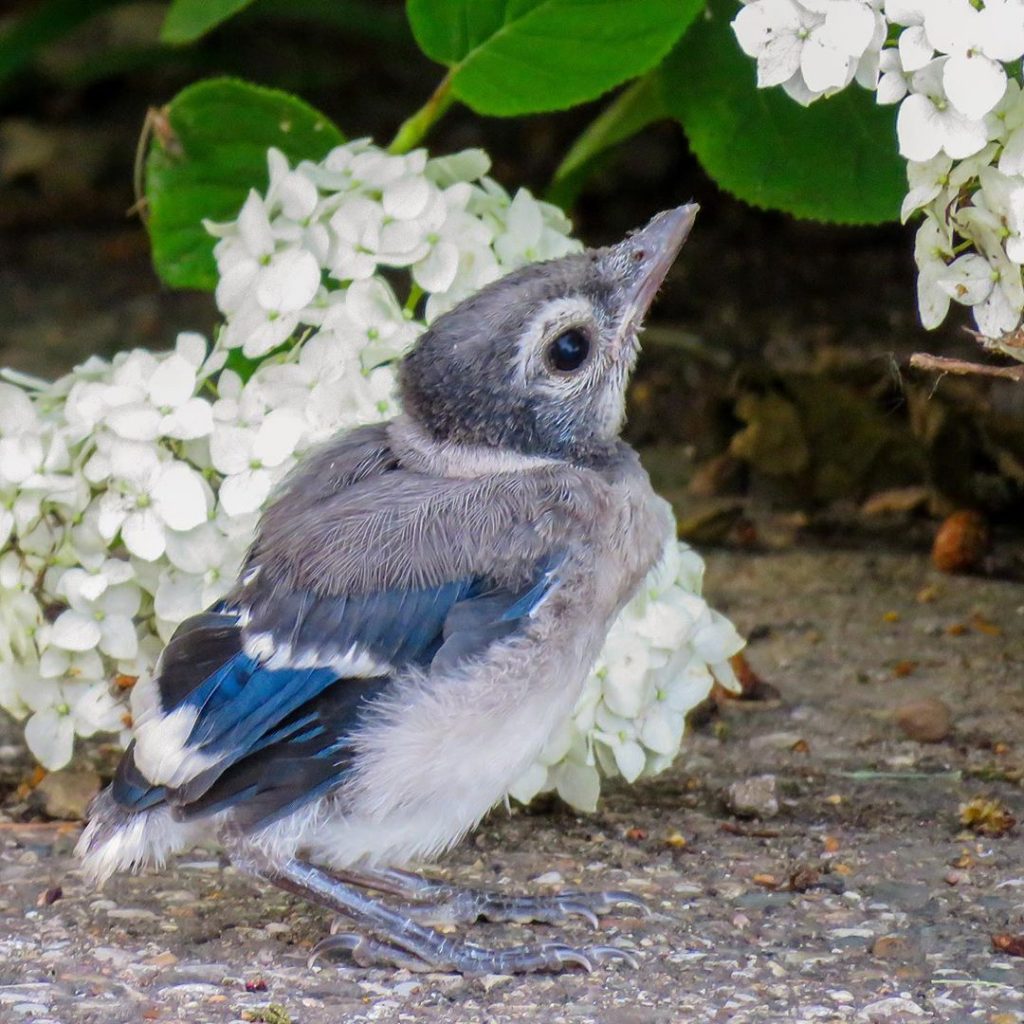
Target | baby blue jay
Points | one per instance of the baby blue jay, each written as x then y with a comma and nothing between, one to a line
417,614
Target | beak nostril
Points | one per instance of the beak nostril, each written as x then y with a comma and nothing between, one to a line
639,254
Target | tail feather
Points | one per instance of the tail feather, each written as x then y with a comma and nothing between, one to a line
118,839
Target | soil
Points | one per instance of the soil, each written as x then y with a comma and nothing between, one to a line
863,899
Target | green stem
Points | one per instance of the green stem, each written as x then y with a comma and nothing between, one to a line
415,294
414,129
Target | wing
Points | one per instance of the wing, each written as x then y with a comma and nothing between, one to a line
255,710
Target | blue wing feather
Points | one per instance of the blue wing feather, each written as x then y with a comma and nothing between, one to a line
272,737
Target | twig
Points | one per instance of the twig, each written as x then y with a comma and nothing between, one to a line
962,368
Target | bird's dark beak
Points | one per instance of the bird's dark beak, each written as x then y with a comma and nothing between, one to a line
648,253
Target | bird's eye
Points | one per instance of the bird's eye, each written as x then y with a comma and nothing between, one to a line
568,351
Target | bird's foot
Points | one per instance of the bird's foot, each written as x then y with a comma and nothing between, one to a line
464,906
393,938
437,903
427,950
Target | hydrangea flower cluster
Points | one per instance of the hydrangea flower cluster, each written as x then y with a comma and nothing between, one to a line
954,68
130,489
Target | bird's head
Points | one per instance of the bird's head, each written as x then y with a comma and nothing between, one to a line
538,361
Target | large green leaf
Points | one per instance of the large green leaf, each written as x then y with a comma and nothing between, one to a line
203,161
834,161
187,20
522,56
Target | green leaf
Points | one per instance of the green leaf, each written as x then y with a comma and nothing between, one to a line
211,152
833,161
637,106
512,57
187,20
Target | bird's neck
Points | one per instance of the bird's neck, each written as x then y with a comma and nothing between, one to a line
417,449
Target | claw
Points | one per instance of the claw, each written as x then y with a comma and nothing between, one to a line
605,902
602,954
563,956
617,898
573,908
334,943
366,952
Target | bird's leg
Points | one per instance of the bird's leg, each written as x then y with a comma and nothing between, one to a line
399,941
438,903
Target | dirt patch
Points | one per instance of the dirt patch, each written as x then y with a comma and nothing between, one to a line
863,899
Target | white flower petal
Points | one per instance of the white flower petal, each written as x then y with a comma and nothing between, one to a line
51,738
143,535
436,271
191,420
96,710
178,596
192,347
118,639
289,282
968,279
914,49
135,422
75,631
974,84
277,437
231,448
254,226
530,783
578,785
406,198
245,492
630,759
179,497
16,410
298,196
173,382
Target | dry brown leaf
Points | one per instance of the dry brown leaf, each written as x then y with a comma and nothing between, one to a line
987,816
1012,945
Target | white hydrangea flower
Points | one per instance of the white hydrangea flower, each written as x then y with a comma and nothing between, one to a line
928,123
170,457
954,68
100,613
63,710
977,40
810,47
253,459
147,496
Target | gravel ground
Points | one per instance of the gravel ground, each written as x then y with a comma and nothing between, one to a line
862,899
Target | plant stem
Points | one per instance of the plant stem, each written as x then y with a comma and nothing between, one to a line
414,129
941,364
415,294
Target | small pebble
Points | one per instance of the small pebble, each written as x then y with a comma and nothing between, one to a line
894,947
66,794
549,878
756,797
926,720
895,1008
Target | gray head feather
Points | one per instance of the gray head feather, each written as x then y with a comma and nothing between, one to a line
491,372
